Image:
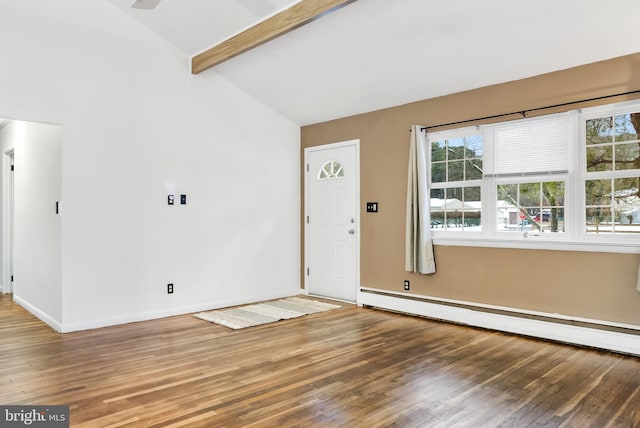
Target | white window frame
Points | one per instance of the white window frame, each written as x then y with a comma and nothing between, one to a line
575,237
593,113
531,179
456,133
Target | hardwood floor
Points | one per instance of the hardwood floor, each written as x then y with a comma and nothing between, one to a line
350,367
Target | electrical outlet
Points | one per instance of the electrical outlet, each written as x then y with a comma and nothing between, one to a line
169,288
406,285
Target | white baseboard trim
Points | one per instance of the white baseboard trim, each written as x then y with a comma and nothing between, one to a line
44,317
627,343
68,327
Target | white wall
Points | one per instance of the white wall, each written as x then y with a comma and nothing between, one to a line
135,125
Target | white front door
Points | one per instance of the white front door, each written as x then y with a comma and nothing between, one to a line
332,217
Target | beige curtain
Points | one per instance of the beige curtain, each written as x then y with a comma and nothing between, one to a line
418,245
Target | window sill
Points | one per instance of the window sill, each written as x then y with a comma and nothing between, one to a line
537,242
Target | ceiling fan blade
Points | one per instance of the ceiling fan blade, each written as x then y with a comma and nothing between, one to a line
145,4
258,7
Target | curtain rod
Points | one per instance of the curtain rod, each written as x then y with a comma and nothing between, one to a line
524,112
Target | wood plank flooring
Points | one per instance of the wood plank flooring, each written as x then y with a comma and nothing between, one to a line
351,367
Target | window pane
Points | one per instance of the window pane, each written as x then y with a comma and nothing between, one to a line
473,169
526,219
600,158
628,156
550,219
456,160
507,216
456,171
598,192
552,193
472,194
531,206
437,194
626,188
626,205
529,213
472,208
474,144
331,169
613,206
624,127
438,172
437,219
599,130
455,149
454,197
453,208
438,151
508,192
437,208
598,220
616,130
456,209
530,194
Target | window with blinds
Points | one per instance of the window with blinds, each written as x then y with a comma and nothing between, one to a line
529,147
572,177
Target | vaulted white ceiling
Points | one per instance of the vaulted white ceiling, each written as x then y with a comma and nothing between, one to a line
195,25
373,54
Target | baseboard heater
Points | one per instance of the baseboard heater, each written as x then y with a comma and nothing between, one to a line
622,338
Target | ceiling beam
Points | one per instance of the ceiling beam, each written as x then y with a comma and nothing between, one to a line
289,19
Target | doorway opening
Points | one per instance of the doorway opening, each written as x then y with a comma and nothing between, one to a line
8,215
31,225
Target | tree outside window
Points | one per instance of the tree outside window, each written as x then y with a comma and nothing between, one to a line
612,190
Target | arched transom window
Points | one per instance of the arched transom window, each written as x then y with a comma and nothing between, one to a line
331,169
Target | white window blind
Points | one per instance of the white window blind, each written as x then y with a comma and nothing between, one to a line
530,147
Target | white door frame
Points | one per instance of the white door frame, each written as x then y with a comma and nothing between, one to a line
331,146
7,223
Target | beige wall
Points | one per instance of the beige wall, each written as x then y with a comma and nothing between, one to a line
590,285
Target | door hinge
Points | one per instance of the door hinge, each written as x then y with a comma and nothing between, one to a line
12,167
11,278
307,219
307,167
307,271
57,207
